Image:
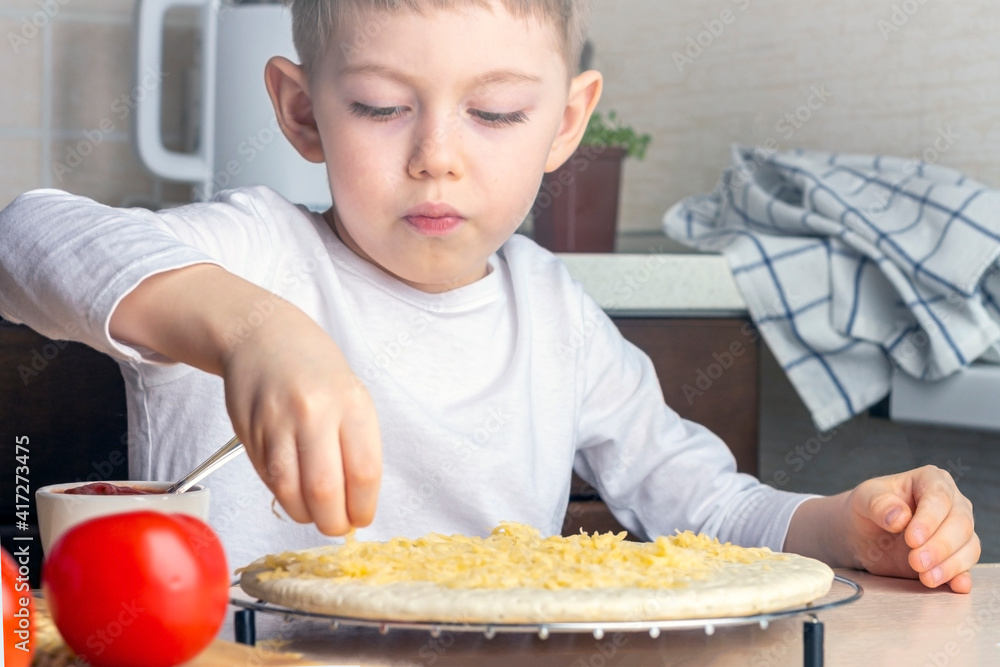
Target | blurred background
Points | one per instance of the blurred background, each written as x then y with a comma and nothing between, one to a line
66,84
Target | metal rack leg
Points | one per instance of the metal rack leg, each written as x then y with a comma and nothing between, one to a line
246,627
812,642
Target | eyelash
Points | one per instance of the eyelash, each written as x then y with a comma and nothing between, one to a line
386,114
378,114
499,119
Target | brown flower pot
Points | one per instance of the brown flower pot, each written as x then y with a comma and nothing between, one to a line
576,209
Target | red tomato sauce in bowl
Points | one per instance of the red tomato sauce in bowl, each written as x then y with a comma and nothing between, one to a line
106,489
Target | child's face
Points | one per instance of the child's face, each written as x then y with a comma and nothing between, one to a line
436,134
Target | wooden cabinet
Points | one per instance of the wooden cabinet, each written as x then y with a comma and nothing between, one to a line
68,401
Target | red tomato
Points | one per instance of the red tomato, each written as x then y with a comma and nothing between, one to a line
18,614
137,589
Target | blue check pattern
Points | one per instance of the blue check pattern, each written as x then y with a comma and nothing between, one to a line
853,265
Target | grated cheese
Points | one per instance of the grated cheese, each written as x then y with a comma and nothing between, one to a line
517,556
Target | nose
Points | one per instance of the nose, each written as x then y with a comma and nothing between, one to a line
437,151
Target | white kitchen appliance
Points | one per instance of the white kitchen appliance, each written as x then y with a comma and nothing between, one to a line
239,142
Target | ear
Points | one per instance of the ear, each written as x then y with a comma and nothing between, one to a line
288,86
584,94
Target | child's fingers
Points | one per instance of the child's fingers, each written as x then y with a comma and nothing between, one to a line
954,569
321,472
962,583
878,501
340,462
935,495
955,534
361,447
281,474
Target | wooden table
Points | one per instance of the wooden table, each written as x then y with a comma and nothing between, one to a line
896,622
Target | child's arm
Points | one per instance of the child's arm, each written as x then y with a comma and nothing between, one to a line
308,424
916,524
71,268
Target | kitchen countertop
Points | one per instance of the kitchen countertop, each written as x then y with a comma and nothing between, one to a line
658,284
896,622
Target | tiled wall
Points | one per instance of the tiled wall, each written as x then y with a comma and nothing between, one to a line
66,93
887,90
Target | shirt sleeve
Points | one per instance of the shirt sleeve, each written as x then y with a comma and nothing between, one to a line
656,471
66,262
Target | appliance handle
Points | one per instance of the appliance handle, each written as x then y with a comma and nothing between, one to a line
149,21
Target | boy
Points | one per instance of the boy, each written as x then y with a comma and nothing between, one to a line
408,321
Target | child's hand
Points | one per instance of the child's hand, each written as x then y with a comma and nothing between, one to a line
916,523
307,421
308,424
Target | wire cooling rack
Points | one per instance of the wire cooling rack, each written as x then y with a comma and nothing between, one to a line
850,591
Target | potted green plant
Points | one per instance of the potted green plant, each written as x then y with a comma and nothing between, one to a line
576,209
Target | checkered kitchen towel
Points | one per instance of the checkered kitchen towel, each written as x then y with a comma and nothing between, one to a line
852,264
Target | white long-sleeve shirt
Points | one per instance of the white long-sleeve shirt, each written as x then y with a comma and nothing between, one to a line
488,396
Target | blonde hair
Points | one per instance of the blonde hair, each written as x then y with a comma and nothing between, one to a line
314,21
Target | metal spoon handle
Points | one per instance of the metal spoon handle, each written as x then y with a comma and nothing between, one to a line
227,452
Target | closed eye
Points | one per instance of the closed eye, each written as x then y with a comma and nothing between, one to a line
378,114
499,119
386,114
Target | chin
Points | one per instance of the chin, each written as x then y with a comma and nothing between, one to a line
438,280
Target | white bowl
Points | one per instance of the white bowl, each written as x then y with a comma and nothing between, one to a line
59,511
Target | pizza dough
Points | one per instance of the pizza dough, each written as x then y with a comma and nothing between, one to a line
516,576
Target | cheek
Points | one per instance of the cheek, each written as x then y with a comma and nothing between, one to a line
349,151
514,160
362,167
350,147
516,175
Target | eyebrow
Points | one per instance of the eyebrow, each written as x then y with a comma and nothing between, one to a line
492,78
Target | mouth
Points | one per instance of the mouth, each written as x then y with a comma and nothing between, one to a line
434,219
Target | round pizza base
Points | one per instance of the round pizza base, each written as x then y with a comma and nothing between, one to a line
735,589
